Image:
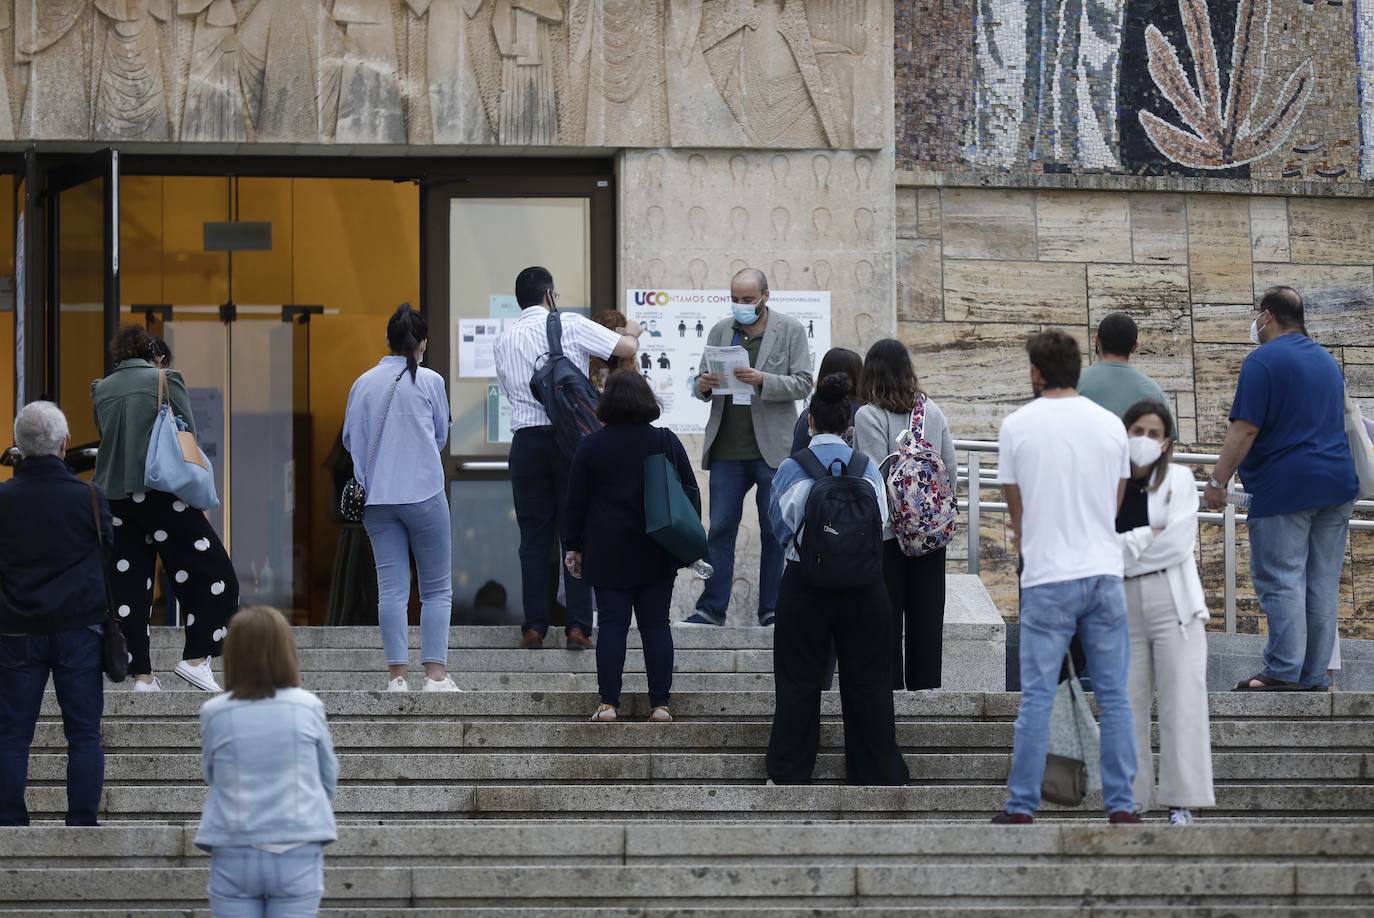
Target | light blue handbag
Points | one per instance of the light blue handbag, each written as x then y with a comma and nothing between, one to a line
176,464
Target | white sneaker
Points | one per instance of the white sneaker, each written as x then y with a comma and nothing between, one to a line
445,684
399,684
141,686
202,676
1179,816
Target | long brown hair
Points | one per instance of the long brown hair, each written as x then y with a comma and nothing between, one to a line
259,654
889,378
1138,411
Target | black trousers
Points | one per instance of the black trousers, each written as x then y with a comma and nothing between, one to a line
916,591
539,485
857,622
157,525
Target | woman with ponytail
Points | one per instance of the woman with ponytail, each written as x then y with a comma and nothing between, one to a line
395,427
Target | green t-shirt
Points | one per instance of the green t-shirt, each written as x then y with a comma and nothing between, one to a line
735,439
1118,386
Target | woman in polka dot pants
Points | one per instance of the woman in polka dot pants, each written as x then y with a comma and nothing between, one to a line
153,524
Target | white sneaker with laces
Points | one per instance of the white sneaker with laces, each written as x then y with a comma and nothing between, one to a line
1178,816
201,676
445,684
141,686
399,684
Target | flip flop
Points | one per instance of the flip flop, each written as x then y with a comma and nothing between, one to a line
1266,684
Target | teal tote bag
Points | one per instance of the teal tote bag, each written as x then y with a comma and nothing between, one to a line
670,519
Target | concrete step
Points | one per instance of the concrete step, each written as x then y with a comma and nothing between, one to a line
1303,707
439,734
684,768
1322,910
477,843
1184,882
163,801
484,637
493,660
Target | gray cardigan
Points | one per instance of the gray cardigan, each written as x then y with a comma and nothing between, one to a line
785,361
876,432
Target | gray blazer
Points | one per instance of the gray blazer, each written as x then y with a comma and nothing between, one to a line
785,361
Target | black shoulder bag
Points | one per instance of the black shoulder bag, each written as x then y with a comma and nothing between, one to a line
114,649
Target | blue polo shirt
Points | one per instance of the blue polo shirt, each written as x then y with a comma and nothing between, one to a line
1293,391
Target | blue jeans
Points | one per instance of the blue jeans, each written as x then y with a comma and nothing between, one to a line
1295,563
73,658
731,480
246,882
539,486
650,604
396,530
1095,609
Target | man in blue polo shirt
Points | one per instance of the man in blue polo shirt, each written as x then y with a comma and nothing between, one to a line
1287,436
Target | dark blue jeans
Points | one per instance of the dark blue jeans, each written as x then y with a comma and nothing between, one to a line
650,606
731,480
73,659
539,484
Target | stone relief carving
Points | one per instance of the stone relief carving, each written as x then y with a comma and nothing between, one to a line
597,73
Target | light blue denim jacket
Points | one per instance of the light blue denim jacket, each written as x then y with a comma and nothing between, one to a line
271,769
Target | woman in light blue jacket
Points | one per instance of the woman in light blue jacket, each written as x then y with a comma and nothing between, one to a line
268,758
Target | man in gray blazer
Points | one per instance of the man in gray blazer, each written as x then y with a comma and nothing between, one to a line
746,443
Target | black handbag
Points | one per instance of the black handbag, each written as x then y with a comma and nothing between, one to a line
354,497
114,649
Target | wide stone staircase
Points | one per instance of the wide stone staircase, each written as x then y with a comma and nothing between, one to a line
503,800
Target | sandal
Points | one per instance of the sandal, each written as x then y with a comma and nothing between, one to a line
1266,684
660,715
605,714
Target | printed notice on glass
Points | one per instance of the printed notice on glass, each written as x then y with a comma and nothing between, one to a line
498,416
476,346
723,362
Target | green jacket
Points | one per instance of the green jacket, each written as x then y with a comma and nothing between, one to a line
125,408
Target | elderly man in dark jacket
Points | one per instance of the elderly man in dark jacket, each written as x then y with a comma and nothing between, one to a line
52,614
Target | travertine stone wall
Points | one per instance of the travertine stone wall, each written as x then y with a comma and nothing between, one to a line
979,269
811,220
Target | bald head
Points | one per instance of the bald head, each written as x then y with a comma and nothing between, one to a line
752,278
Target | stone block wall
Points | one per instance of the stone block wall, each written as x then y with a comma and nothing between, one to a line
978,269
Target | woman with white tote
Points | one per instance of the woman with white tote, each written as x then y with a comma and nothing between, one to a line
1167,614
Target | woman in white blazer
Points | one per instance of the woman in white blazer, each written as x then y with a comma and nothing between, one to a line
1167,613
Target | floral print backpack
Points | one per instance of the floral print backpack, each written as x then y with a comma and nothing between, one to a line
920,496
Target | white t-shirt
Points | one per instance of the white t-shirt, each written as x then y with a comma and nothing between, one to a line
1068,457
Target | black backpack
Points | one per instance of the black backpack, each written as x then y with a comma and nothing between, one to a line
568,396
842,526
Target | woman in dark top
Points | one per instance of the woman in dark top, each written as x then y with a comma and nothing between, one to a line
836,360
608,547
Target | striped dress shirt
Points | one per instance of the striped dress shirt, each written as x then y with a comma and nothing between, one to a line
523,346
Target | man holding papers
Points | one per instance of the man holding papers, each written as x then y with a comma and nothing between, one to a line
755,367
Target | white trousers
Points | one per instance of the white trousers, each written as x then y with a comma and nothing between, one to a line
1173,662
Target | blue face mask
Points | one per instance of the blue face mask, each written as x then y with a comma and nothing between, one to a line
745,313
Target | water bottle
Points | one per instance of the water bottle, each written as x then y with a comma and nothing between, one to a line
702,569
1238,499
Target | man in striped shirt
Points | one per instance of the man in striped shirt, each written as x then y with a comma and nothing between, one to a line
538,470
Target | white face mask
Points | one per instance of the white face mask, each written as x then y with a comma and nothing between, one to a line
1145,452
1255,330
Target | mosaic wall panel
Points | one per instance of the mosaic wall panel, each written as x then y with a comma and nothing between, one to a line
1258,89
1186,267
593,73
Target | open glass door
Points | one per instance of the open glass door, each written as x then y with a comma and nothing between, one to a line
82,285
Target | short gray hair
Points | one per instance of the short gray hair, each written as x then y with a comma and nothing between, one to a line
755,275
40,429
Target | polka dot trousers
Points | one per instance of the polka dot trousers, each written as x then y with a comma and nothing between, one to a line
157,525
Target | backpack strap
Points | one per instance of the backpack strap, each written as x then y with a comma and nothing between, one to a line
554,329
918,418
810,464
858,464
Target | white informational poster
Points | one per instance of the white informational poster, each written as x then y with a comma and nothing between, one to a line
476,346
676,324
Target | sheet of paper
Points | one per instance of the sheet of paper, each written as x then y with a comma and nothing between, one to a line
723,362
498,416
476,346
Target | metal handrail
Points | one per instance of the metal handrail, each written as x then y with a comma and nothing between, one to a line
987,478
